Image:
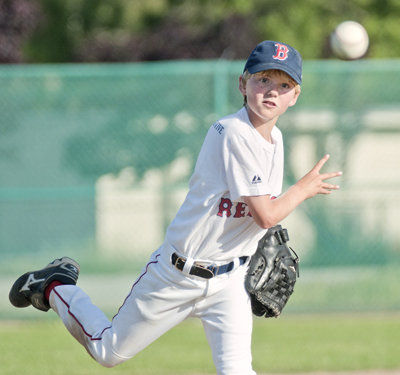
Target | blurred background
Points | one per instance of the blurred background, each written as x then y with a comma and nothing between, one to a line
104,106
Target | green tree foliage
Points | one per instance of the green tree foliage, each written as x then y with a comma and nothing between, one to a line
132,30
18,18
66,26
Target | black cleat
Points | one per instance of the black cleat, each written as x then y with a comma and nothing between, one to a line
30,287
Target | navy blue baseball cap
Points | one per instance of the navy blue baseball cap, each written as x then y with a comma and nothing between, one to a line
275,55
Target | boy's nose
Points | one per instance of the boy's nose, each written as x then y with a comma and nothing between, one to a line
272,90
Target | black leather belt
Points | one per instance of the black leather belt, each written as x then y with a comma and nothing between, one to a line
203,271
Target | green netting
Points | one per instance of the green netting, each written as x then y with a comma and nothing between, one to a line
94,160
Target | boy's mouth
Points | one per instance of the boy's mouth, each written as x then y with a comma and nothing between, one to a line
269,103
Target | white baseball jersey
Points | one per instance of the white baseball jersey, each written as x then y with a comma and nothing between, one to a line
214,224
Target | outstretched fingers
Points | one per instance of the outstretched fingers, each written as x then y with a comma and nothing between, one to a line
321,163
314,182
327,176
326,188
329,187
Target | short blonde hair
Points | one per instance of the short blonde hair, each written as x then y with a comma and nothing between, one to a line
247,75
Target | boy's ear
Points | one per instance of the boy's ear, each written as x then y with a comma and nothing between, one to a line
242,85
294,100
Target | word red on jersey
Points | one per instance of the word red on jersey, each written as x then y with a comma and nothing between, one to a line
226,206
237,209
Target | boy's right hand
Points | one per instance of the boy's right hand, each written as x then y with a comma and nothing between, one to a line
313,182
268,212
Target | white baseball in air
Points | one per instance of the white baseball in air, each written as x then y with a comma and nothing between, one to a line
349,40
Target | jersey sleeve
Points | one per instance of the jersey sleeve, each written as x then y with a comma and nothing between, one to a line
245,171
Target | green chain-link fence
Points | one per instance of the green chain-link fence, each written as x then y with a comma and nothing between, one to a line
95,159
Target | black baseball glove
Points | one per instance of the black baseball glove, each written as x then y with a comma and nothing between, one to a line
272,273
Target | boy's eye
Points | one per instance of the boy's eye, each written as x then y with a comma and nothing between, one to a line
264,79
285,85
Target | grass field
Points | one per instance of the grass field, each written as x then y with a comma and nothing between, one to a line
37,344
290,344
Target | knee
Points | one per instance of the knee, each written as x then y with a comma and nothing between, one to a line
109,363
105,353
110,360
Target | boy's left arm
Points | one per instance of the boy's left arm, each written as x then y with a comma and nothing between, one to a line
269,212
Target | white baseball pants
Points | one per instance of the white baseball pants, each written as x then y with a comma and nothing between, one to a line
160,298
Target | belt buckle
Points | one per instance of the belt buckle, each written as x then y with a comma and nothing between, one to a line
182,259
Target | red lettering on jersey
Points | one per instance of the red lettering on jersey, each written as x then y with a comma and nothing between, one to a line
240,209
225,206
281,52
273,197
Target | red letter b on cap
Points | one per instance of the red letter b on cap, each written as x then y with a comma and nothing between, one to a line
281,52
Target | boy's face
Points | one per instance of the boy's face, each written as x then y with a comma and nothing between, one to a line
269,94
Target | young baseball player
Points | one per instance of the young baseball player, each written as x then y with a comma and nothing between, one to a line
199,270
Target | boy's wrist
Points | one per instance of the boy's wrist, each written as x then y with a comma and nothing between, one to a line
298,193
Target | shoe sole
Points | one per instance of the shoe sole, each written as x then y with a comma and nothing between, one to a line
17,299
